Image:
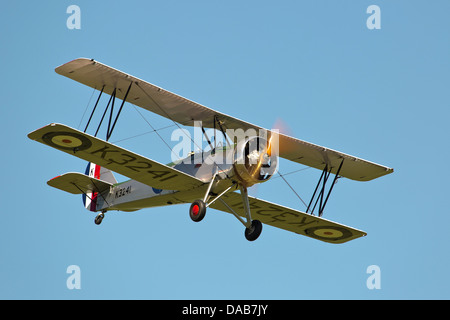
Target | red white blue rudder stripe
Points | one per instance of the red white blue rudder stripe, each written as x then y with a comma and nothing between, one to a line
90,198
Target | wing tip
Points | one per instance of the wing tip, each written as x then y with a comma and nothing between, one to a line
75,62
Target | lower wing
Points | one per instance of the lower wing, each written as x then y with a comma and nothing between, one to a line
290,219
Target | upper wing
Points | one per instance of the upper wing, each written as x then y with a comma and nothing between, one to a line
318,157
114,158
290,219
185,112
145,95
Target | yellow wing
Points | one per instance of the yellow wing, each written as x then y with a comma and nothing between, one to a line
290,219
184,111
114,158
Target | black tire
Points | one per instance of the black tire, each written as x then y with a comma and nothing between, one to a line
98,219
197,210
252,233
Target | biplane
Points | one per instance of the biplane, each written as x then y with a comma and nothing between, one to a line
222,185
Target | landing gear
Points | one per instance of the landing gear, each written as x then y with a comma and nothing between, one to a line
252,233
99,218
253,228
197,210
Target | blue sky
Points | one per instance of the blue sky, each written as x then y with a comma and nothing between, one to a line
382,95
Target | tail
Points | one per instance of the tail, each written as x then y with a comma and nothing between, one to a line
96,171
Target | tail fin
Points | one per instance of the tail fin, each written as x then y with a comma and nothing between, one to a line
96,171
90,198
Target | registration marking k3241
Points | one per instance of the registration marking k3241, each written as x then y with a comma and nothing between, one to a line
122,192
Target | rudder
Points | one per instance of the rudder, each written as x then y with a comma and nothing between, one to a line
90,198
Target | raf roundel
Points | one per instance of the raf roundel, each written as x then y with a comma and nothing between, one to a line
67,141
328,233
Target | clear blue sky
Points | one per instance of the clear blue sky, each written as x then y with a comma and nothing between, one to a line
382,95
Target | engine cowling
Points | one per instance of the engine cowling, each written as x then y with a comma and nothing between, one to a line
255,160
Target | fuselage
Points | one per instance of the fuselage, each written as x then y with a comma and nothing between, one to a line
245,163
132,195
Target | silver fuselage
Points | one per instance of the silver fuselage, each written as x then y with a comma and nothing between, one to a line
132,195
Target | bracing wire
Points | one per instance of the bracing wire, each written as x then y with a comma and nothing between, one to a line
298,196
155,131
87,106
170,118
144,133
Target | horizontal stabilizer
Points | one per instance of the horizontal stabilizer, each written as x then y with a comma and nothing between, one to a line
78,183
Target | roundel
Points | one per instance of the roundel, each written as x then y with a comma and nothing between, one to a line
157,191
66,140
330,233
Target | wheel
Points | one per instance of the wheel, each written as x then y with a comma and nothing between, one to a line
197,210
252,233
99,218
